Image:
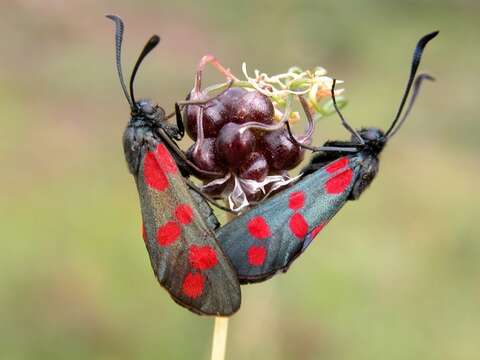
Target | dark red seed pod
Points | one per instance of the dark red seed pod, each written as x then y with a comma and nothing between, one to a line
215,115
254,167
233,145
231,98
253,106
280,151
204,156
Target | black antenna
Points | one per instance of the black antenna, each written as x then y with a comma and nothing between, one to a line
118,54
416,89
310,130
345,124
149,46
417,56
319,148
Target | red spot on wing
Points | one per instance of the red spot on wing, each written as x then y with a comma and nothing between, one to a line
337,165
339,183
317,229
184,214
296,200
193,285
168,233
165,159
202,257
256,255
144,233
153,174
298,225
155,167
258,227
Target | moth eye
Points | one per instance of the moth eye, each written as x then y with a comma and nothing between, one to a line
147,108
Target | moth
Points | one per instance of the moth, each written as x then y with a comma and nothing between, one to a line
178,225
268,238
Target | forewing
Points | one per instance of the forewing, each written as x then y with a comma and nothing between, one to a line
185,256
268,238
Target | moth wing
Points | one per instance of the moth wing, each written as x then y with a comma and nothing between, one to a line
185,256
268,238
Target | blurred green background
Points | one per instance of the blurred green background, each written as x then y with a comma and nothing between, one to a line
394,276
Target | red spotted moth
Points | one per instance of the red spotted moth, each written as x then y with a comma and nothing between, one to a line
178,225
271,236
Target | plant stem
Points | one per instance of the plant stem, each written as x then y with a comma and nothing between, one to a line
219,343
220,328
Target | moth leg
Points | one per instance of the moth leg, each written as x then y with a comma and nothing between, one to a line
150,142
178,116
207,197
183,158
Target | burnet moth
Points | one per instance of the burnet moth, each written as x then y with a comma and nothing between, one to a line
178,225
268,238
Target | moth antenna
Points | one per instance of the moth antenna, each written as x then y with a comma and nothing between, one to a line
416,89
345,124
319,148
417,56
149,46
119,26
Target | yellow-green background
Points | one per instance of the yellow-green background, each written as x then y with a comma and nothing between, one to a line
395,275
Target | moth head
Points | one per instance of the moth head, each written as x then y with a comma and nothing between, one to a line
373,138
149,112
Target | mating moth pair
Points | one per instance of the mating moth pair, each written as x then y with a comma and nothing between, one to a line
201,264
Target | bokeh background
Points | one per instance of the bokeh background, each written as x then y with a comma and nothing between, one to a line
395,275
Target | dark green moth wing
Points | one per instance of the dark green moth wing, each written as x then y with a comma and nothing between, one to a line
268,238
185,256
